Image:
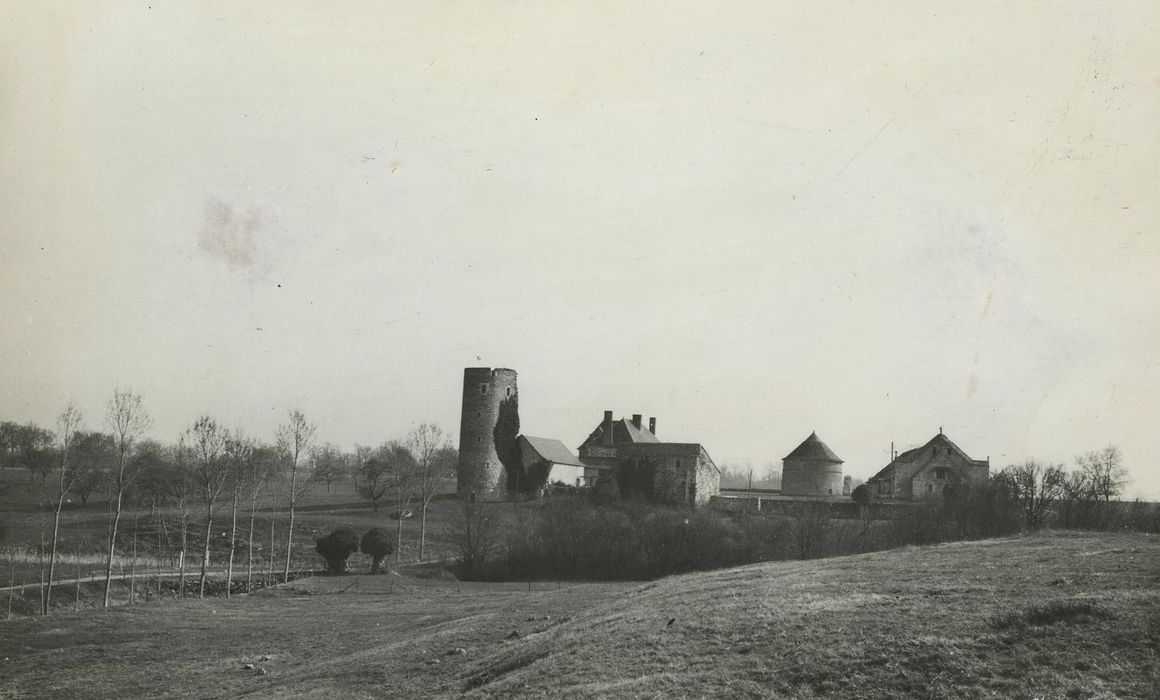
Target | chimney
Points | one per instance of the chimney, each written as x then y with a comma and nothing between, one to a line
652,425
636,418
607,437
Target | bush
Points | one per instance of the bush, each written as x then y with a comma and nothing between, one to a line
336,547
378,544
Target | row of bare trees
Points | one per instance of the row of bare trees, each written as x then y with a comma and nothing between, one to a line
1038,487
208,464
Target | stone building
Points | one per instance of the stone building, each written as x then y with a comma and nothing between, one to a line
561,465
486,392
812,469
642,465
924,472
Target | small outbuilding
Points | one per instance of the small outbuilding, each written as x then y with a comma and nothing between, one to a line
562,466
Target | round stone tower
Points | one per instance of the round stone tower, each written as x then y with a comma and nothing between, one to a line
480,471
811,470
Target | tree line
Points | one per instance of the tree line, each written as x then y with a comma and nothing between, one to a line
214,469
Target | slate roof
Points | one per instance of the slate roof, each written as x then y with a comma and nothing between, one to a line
623,431
814,450
552,450
910,455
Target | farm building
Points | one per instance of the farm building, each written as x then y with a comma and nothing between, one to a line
924,472
642,465
545,454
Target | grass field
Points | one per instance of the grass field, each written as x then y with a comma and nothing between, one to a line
1052,615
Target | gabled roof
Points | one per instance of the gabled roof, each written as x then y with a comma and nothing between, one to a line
623,431
910,455
552,450
814,450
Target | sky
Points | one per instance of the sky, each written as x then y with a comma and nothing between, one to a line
752,220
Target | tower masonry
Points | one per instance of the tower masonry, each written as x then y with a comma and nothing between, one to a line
480,471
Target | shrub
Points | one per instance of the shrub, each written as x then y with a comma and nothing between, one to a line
336,547
378,544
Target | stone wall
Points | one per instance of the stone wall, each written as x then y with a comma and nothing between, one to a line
480,471
682,472
811,478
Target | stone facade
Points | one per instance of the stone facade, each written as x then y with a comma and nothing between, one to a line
480,472
666,472
925,472
682,472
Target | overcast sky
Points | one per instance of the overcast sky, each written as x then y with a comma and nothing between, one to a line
749,219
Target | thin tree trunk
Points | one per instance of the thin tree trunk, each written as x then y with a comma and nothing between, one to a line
160,550
205,551
399,529
233,540
289,545
250,544
270,557
52,558
40,555
133,564
423,531
11,584
77,590
181,556
112,549
290,531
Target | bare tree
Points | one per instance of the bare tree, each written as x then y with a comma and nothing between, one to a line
261,466
1034,486
400,474
475,535
1104,471
127,420
67,424
210,472
294,441
435,461
238,457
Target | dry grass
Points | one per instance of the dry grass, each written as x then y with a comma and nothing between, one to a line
1053,615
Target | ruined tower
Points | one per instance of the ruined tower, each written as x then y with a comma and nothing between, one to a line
484,391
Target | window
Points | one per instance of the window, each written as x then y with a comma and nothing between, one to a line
940,474
930,488
830,491
509,392
482,388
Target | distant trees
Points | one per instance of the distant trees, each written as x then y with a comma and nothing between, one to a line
377,543
371,475
1104,474
93,457
127,420
330,464
295,439
336,548
1034,486
28,447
